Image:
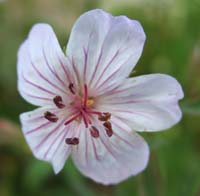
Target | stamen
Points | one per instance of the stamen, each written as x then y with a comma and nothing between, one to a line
72,141
104,116
71,88
108,128
71,119
109,132
108,125
85,118
58,101
85,95
94,132
94,112
50,116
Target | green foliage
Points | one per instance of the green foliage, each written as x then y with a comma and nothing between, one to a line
172,47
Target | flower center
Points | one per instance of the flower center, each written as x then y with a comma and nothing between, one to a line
83,109
90,102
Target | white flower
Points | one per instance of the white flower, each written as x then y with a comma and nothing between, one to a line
89,108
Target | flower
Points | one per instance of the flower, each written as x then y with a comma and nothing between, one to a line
89,108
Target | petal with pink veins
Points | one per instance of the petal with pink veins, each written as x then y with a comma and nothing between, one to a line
111,160
90,107
43,70
104,48
146,103
47,139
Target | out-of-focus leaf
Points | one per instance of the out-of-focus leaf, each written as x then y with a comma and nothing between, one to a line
9,131
179,166
76,181
172,47
12,136
192,108
36,174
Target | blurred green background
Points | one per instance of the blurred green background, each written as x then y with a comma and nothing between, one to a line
172,47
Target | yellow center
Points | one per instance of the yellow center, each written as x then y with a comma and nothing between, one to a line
90,102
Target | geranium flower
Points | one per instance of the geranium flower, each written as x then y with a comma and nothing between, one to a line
89,108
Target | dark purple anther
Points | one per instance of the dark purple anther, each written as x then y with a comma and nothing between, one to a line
58,102
71,88
108,128
109,132
104,116
94,132
107,124
50,116
72,141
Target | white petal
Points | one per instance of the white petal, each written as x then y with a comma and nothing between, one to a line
105,48
146,103
46,139
111,160
42,66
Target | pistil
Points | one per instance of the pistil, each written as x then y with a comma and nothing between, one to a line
83,107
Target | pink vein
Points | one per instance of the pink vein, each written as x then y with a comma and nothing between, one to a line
45,79
127,102
97,65
37,97
67,73
62,140
108,149
120,137
106,67
39,127
85,62
49,134
76,71
55,139
107,79
52,70
37,86
140,113
94,149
